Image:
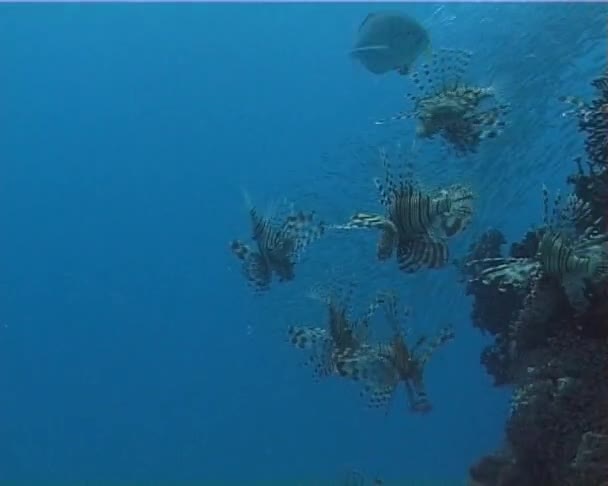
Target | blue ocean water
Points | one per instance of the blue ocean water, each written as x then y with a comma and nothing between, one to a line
130,345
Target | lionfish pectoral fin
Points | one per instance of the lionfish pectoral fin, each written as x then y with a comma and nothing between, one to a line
303,231
349,364
306,337
377,395
368,221
515,272
424,251
378,377
256,271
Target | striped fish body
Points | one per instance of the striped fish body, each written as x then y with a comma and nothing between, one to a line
558,259
414,213
421,252
269,241
275,250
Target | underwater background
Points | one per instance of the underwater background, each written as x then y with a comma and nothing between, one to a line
130,346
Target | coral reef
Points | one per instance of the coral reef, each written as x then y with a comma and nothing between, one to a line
557,429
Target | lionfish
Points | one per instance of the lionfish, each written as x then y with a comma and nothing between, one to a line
593,121
280,243
380,368
343,332
418,222
571,252
461,114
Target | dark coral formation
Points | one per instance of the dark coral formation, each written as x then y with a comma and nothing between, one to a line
557,430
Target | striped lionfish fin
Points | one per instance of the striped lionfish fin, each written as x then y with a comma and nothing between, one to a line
565,218
306,337
444,336
422,252
255,269
366,220
378,378
504,272
378,395
387,188
318,342
372,308
321,360
490,123
303,230
391,312
445,71
262,231
240,249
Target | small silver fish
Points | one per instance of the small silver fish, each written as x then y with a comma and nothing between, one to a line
390,41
